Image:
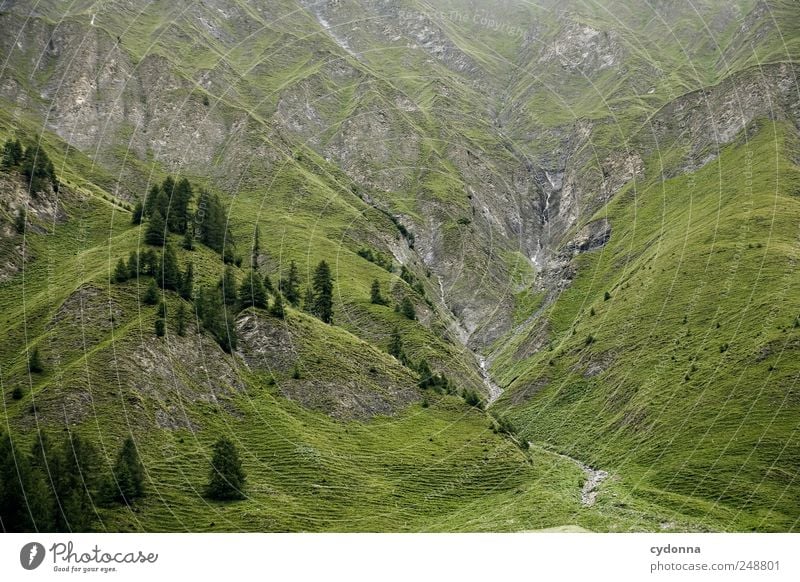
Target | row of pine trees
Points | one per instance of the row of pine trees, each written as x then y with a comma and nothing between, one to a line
62,488
32,161
169,208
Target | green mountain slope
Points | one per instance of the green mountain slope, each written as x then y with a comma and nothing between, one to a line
589,207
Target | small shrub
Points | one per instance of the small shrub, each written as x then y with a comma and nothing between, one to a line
16,394
471,397
606,296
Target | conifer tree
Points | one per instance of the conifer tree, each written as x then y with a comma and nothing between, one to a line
138,213
156,229
24,502
166,200
226,479
21,220
150,200
217,319
229,254
76,484
160,327
187,282
407,308
38,169
127,477
35,362
277,306
121,272
323,292
251,292
228,286
162,206
12,154
151,295
375,294
396,345
168,274
268,284
188,238
148,262
133,265
210,220
308,300
256,247
179,207
290,286
180,319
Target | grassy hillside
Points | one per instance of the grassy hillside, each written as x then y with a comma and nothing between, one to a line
598,204
672,357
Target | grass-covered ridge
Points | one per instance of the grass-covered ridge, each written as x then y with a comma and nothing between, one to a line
671,358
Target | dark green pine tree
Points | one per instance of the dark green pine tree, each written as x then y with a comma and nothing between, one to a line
21,220
150,200
166,200
12,154
121,272
227,286
160,327
323,292
169,274
290,285
148,262
38,169
256,247
24,500
375,294
76,486
35,362
179,206
46,461
229,253
138,213
188,238
407,308
156,230
268,284
396,345
226,480
308,300
277,306
252,292
127,477
180,319
210,220
217,319
133,265
187,282
426,378
162,206
151,295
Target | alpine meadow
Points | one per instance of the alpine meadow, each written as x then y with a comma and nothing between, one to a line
399,266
